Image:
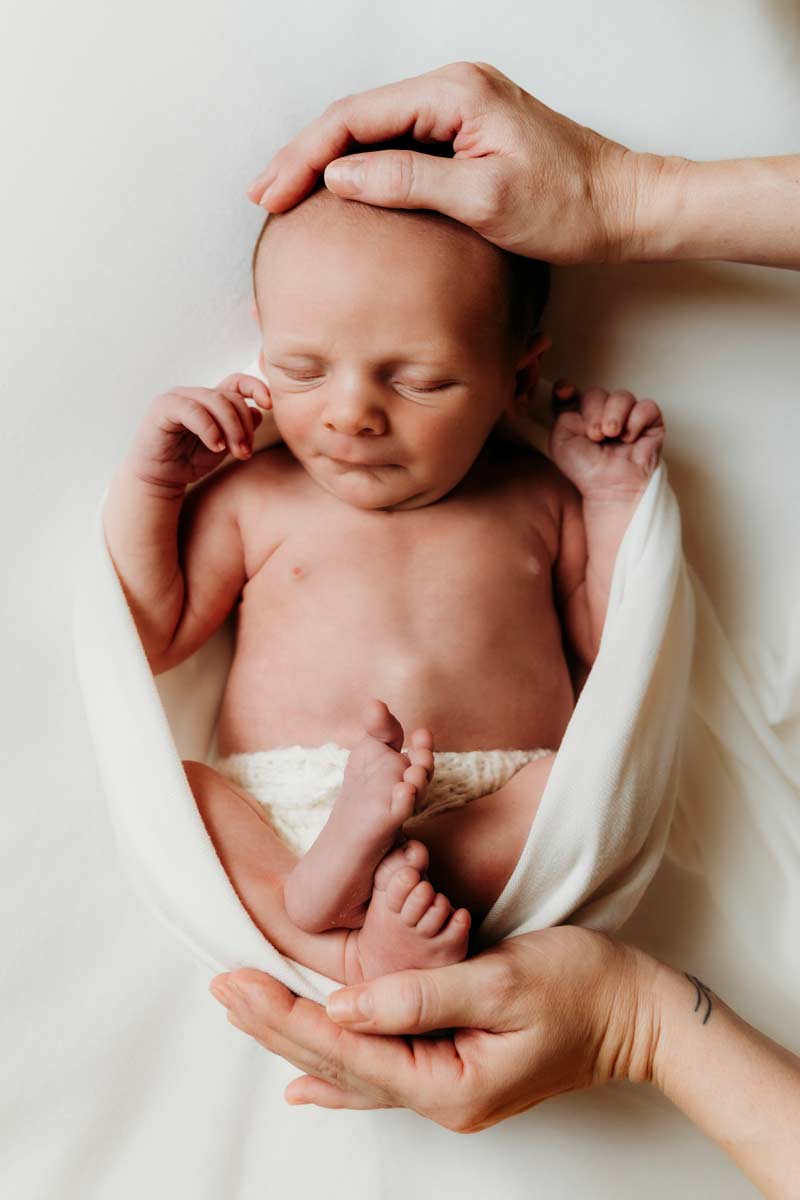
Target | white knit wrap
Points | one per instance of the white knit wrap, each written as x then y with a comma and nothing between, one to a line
298,785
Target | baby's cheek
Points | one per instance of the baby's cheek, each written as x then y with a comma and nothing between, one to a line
292,426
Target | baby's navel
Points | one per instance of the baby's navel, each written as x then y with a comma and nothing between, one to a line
297,571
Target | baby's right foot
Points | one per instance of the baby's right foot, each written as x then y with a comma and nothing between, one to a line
407,925
331,885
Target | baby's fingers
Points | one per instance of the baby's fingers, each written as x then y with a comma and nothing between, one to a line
247,385
593,404
565,395
617,410
249,418
195,417
645,415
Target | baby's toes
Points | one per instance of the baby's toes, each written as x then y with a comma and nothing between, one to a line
421,739
456,929
432,921
416,855
399,887
417,776
417,902
412,854
422,757
404,800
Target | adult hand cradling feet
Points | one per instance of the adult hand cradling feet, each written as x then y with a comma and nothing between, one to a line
532,1017
536,1015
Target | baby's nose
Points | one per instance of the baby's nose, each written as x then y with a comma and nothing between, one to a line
354,418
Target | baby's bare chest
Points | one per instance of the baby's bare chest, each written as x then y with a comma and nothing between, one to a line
445,612
433,576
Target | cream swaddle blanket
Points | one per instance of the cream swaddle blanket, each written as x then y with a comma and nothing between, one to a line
604,818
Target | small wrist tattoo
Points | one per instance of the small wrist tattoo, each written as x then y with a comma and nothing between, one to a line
703,994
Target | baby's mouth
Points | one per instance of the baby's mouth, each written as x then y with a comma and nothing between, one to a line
359,466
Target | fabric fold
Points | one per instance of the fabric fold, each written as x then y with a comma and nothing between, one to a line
604,818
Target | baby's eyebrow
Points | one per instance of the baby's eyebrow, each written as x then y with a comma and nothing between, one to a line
422,361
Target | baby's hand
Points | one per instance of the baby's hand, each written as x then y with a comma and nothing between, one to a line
607,444
188,431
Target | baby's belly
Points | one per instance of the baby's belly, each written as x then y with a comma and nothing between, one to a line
446,614
307,689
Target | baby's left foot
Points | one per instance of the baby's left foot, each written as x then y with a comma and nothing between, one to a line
331,885
407,925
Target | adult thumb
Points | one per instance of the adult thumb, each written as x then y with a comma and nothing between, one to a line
405,179
463,995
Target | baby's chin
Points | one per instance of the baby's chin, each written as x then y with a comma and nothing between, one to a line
373,488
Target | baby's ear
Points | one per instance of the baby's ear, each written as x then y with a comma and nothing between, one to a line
536,349
528,368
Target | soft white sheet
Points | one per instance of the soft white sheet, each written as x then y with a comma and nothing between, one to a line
125,262
665,715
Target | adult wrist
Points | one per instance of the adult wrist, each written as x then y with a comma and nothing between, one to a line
627,194
657,215
636,1065
627,1010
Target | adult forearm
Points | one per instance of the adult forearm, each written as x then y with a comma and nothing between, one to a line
735,1084
735,210
140,523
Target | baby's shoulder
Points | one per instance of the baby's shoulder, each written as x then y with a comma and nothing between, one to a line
537,475
274,492
546,498
268,478
273,469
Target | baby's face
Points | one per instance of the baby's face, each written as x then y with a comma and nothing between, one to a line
386,352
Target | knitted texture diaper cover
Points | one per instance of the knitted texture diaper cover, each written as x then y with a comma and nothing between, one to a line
297,785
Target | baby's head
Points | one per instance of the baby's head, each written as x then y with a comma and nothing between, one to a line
393,341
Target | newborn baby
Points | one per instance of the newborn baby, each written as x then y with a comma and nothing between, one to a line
399,545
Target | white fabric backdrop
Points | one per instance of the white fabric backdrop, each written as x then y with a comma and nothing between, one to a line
129,138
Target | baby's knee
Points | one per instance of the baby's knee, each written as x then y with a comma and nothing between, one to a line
213,790
199,774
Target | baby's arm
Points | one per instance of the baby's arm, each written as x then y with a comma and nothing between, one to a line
591,534
608,449
179,557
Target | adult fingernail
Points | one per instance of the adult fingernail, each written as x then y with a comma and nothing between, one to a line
247,993
221,991
347,175
261,182
350,1004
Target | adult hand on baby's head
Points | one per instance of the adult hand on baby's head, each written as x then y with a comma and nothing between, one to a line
523,176
534,1016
